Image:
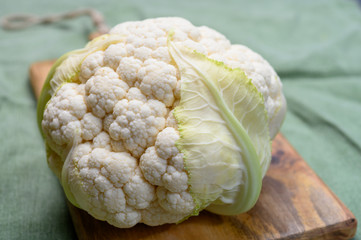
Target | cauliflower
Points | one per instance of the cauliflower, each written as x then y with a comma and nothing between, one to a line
158,120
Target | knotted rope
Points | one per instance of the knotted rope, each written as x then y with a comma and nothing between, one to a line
21,21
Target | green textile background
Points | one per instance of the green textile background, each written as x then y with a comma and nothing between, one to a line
315,46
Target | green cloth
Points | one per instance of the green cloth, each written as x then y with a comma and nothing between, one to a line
315,46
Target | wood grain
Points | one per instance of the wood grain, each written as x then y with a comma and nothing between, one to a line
294,204
38,72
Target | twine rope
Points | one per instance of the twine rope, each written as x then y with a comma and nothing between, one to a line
21,21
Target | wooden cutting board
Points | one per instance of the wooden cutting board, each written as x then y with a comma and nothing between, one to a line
294,204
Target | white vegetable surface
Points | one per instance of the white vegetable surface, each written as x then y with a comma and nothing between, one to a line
111,121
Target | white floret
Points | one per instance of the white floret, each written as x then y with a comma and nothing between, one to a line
139,192
61,119
165,143
102,140
117,146
108,119
177,161
152,166
101,175
104,90
128,69
155,215
90,65
175,180
91,126
137,124
125,219
161,54
135,94
171,121
213,41
175,202
114,54
162,164
159,81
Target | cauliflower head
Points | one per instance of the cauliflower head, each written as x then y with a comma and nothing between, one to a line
158,120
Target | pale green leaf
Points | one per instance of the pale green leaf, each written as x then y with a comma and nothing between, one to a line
224,133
